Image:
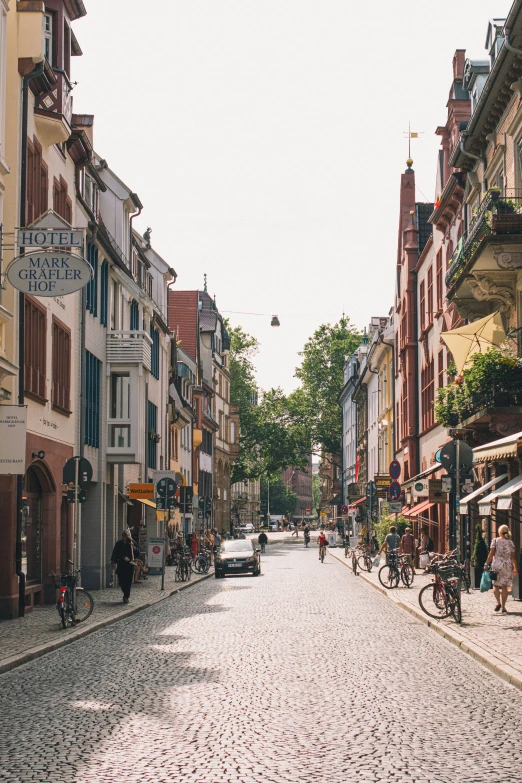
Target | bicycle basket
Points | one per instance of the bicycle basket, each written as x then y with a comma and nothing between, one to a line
450,572
63,580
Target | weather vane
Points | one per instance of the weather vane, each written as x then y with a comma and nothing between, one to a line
411,135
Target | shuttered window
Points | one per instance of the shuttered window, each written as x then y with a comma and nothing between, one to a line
155,353
134,315
91,290
37,182
104,293
61,390
61,202
35,333
92,400
152,421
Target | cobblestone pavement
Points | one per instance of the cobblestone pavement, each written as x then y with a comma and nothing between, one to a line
42,626
304,674
497,634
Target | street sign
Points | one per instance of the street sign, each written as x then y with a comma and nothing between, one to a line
84,472
344,510
395,469
436,492
382,481
157,475
446,483
448,456
395,507
166,489
395,491
141,491
49,273
13,435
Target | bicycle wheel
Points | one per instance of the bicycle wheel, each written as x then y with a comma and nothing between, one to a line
354,564
407,575
455,606
189,572
62,613
364,563
389,577
466,580
179,572
433,600
83,605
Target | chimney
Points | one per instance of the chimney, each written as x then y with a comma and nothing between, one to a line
458,65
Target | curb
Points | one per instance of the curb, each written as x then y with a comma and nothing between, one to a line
36,652
492,662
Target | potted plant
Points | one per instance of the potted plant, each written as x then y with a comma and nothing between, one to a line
479,557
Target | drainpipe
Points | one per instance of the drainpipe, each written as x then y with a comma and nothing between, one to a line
38,70
392,381
475,157
510,46
139,206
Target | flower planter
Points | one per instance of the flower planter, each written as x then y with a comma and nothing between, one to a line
507,223
476,576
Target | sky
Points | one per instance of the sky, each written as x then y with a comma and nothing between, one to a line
266,139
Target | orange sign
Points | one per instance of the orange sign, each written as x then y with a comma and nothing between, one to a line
141,491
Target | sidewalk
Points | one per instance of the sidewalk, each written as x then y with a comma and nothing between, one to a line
490,638
40,631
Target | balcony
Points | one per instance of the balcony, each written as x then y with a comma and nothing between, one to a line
53,108
484,265
129,347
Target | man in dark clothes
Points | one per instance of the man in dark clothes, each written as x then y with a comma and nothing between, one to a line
123,559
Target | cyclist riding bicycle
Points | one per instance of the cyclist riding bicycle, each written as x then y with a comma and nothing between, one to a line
321,540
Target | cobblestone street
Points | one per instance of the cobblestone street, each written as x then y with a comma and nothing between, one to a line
304,674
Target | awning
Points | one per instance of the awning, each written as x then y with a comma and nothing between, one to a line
498,449
415,511
464,501
357,502
504,492
125,498
411,481
146,502
505,498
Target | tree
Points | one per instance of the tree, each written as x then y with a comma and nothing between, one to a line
282,499
322,378
480,549
244,394
316,491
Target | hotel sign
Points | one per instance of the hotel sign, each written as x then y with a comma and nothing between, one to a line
13,428
50,237
49,273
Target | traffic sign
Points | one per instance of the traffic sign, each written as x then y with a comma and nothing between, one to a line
448,456
395,469
166,488
395,491
371,489
344,509
84,472
395,507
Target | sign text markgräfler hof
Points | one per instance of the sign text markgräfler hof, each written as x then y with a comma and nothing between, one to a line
49,273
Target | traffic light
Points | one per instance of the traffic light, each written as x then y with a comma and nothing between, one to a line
201,503
208,506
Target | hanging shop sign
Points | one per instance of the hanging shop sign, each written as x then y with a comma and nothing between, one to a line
49,237
13,433
49,273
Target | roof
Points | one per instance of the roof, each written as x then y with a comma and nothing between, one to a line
183,318
207,320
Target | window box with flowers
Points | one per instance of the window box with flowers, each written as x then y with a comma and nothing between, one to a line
155,436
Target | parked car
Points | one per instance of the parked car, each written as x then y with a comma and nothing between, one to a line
237,556
248,527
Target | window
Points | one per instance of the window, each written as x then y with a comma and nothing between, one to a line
134,315
440,282
66,48
152,425
48,38
62,204
90,194
429,301
155,353
91,289
104,293
232,432
92,400
422,305
35,334
440,368
61,388
427,395
114,308
37,182
120,425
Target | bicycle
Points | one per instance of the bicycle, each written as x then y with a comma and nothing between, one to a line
441,597
396,568
183,570
201,563
75,604
365,560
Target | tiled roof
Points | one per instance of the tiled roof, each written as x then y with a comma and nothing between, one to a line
207,320
183,318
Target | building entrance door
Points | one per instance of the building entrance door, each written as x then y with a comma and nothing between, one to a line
32,528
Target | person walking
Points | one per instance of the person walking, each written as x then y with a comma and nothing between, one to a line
503,561
122,561
194,545
407,547
391,542
262,540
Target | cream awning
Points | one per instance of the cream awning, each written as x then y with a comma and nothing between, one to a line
498,449
505,492
411,481
505,499
476,492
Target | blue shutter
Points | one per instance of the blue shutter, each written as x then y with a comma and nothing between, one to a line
134,315
91,302
92,400
152,422
155,353
104,293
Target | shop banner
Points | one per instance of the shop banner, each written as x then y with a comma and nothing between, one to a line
155,553
13,434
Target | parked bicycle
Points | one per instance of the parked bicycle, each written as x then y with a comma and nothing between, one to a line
201,563
441,597
364,560
74,603
396,568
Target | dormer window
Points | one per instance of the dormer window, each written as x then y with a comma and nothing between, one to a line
48,38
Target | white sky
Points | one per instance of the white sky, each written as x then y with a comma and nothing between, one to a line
266,141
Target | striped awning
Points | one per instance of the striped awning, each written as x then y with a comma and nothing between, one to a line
357,503
416,510
498,449
476,492
504,493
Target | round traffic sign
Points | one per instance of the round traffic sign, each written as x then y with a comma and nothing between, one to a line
344,509
448,456
394,491
156,549
395,469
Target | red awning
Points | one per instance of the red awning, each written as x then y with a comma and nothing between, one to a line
415,511
357,502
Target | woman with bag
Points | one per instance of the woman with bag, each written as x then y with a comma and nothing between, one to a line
503,562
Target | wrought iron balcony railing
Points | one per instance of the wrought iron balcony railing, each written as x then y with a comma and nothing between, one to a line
499,214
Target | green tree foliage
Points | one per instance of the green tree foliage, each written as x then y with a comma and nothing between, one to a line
316,492
322,378
480,549
382,526
282,499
